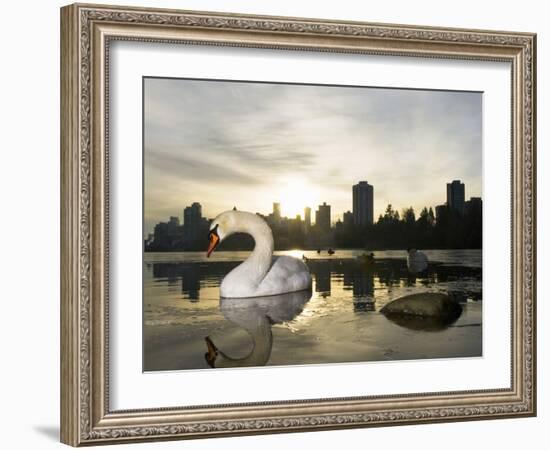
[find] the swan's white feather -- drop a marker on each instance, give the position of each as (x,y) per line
(286,274)
(261,274)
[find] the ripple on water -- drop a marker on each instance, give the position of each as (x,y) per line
(341,321)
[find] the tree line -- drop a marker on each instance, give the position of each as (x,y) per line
(392,230)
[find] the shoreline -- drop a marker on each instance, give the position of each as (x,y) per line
(474,257)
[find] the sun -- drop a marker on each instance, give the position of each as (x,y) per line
(294,195)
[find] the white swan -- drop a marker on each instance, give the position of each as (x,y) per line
(416,261)
(260,274)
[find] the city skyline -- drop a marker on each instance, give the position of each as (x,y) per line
(195,225)
(301,145)
(326,210)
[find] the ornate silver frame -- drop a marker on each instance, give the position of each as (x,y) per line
(86,31)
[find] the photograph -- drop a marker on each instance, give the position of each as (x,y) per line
(289,220)
(292,224)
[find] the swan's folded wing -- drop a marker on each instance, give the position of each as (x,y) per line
(287,274)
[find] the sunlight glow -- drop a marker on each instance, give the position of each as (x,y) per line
(294,195)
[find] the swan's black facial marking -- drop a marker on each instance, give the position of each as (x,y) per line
(213,231)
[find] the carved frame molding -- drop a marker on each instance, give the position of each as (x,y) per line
(86,32)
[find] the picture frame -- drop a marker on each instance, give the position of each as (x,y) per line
(87,32)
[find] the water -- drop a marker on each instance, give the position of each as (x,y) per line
(339,321)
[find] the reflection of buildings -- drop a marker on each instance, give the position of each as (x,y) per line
(363,286)
(321,273)
(361,283)
(355,278)
(363,203)
(191,282)
(191,276)
(455,196)
(335,279)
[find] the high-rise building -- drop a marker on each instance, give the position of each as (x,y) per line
(440,211)
(277,212)
(363,203)
(348,218)
(193,223)
(307,217)
(473,206)
(192,213)
(167,234)
(455,196)
(322,217)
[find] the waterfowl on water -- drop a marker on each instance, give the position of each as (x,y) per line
(416,261)
(260,274)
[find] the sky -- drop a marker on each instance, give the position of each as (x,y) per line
(244,144)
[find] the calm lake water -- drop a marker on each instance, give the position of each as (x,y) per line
(339,321)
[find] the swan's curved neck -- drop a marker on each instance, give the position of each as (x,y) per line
(259,331)
(258,263)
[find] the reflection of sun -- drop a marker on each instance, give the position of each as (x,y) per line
(295,194)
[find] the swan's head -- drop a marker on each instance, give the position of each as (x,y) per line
(221,227)
(216,358)
(234,221)
(212,353)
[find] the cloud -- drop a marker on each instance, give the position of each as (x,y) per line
(183,166)
(219,142)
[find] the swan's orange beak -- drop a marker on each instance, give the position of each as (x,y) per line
(214,240)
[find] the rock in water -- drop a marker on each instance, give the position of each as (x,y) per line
(428,305)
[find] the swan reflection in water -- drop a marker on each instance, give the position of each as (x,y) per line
(256,316)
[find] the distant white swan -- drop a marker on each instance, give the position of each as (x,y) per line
(416,261)
(260,274)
